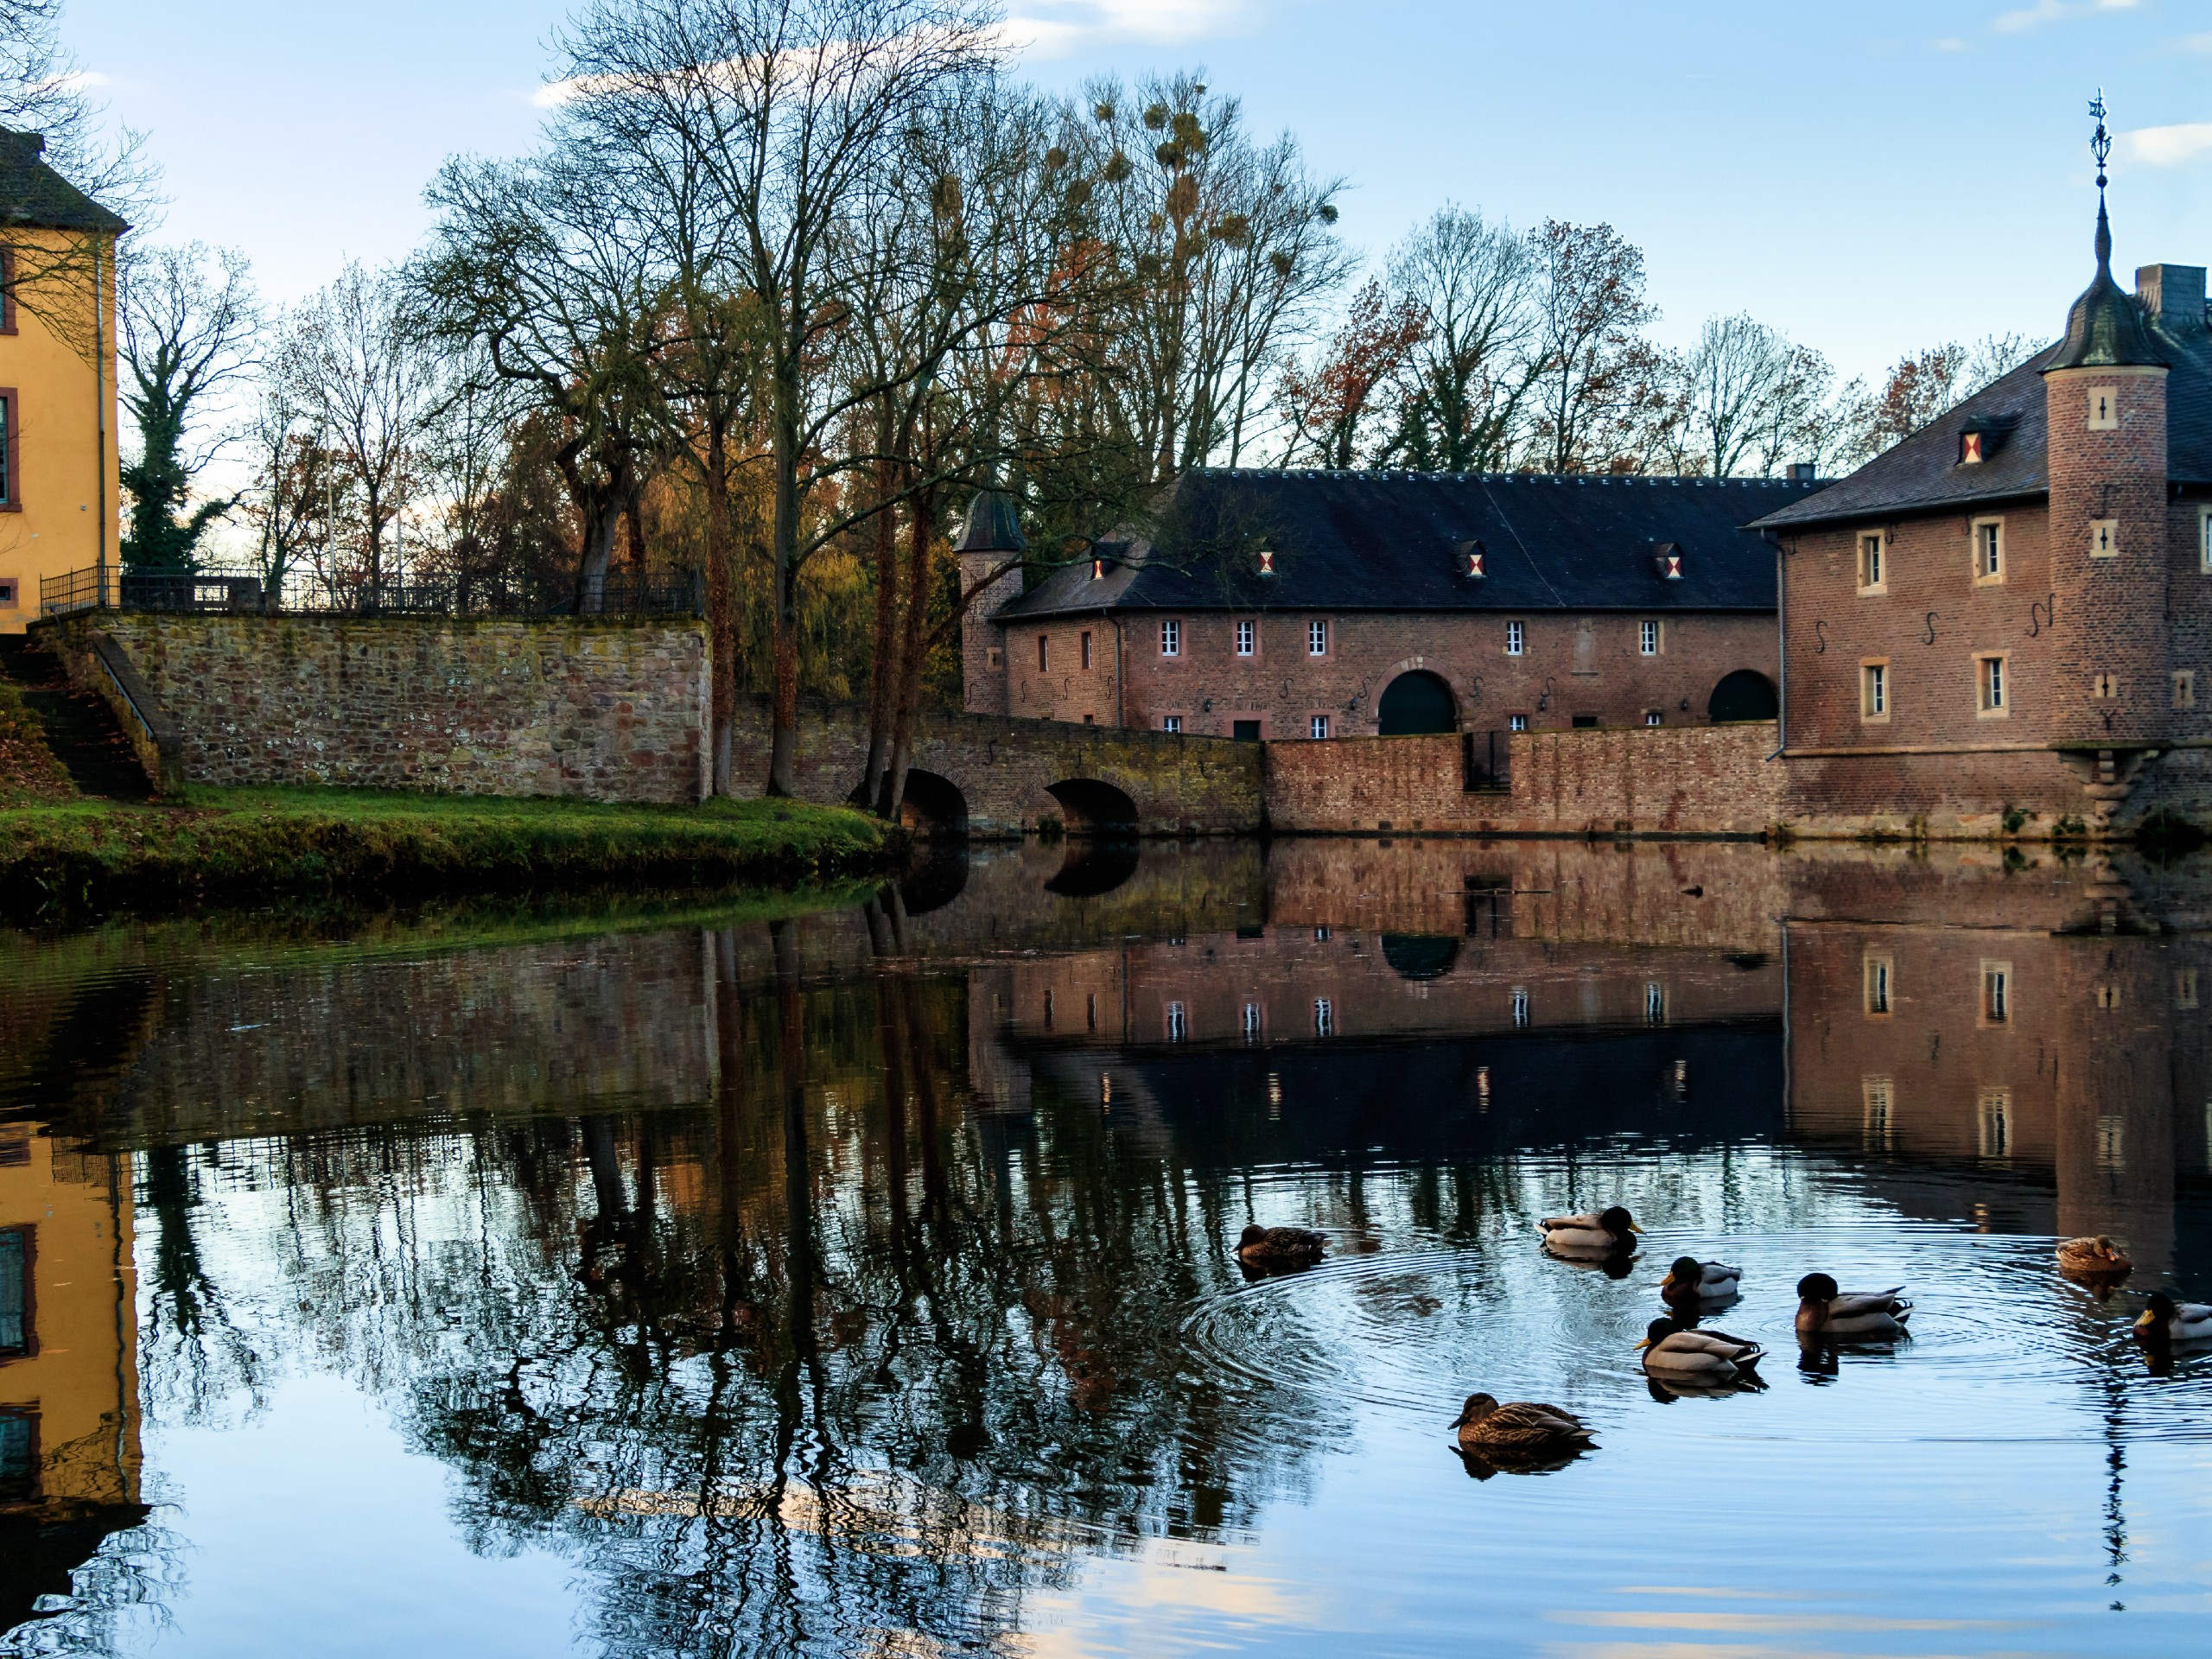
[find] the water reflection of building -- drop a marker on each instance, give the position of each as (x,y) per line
(69,1453)
(2015,1026)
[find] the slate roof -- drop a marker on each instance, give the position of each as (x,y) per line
(34,195)
(1395,542)
(1922,474)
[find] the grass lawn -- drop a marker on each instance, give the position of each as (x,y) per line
(246,845)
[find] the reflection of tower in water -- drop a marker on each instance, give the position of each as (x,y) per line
(2113,1049)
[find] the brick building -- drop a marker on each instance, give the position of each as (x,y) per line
(2001,623)
(1273,605)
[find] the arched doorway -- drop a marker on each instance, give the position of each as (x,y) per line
(1421,956)
(1090,808)
(1744,695)
(1415,703)
(932,805)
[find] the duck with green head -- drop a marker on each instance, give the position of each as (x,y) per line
(1604,1232)
(1691,1283)
(1678,1356)
(1826,1313)
(2183,1324)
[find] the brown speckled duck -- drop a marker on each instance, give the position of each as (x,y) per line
(2094,1258)
(1521,1428)
(1278,1249)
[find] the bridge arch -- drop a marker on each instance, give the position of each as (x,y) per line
(1093,867)
(1088,807)
(933,805)
(1418,702)
(1421,956)
(1744,695)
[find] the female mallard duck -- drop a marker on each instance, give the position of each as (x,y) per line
(1278,1249)
(1519,1428)
(1599,1234)
(2179,1322)
(1691,1281)
(1695,1357)
(2094,1258)
(1825,1313)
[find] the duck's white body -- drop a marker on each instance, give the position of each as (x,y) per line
(1867,1315)
(1581,1236)
(1695,1357)
(1717,1282)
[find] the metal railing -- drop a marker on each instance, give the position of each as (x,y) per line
(307,594)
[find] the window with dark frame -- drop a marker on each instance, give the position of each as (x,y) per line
(17,1335)
(9,491)
(7,289)
(1043,653)
(1086,647)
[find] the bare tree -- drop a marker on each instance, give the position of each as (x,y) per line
(1736,370)
(1590,354)
(289,503)
(1460,404)
(790,108)
(1800,420)
(1329,403)
(363,370)
(187,319)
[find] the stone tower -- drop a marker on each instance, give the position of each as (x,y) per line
(990,547)
(2105,396)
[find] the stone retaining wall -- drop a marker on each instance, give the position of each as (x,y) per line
(597,710)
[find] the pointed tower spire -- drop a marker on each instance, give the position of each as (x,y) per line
(2101,147)
(2106,327)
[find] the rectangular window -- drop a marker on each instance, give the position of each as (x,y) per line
(19,1457)
(1647,639)
(1993,1114)
(1245,731)
(1517,637)
(1654,1003)
(1171,639)
(2104,409)
(1248,638)
(1086,647)
(1996,993)
(1178,1025)
(7,290)
(1880,1096)
(1043,653)
(1520,1006)
(1325,1017)
(1651,717)
(1320,726)
(1989,685)
(2184,687)
(6,593)
(2112,1141)
(11,482)
(1876,978)
(2103,686)
(1251,1022)
(1317,638)
(994,658)
(2104,538)
(1989,549)
(1173,723)
(16,1336)
(2204,539)
(1873,564)
(1873,690)
(1517,723)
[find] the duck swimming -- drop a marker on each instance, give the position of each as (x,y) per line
(1519,1428)
(1695,1358)
(1827,1314)
(2177,1322)
(1278,1249)
(2094,1258)
(1598,1234)
(1691,1281)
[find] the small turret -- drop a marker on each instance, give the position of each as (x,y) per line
(2105,396)
(989,549)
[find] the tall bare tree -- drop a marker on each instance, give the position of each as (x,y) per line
(1591,357)
(1460,408)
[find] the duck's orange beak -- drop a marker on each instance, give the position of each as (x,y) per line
(1641,1346)
(2148,1318)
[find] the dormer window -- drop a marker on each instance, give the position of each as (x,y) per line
(1098,569)
(1970,449)
(1667,562)
(1267,560)
(1471,560)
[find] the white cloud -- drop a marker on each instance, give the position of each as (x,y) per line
(2197,43)
(1054,29)
(2052,11)
(2174,146)
(1949,43)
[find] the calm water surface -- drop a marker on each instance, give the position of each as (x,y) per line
(628,1282)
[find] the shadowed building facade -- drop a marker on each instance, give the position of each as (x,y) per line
(1275,605)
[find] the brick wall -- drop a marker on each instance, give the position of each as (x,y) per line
(1677,780)
(609,711)
(1588,665)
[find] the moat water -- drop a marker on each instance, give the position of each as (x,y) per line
(858,1280)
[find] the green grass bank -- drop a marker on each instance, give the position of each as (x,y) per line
(249,846)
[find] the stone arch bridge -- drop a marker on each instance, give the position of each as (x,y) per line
(988,775)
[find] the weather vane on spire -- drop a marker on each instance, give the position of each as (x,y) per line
(2100,140)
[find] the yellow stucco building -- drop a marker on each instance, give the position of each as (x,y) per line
(57,484)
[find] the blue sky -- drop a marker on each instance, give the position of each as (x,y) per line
(1869,176)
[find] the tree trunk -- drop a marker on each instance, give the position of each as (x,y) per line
(887,612)
(912,649)
(601,521)
(783,753)
(721,604)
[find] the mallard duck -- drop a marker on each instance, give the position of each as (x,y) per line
(1826,1313)
(1278,1249)
(1519,1428)
(1695,1357)
(1601,1233)
(1690,1279)
(2095,1258)
(2179,1322)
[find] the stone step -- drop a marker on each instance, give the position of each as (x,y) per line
(81,728)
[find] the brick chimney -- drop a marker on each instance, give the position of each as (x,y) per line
(2174,294)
